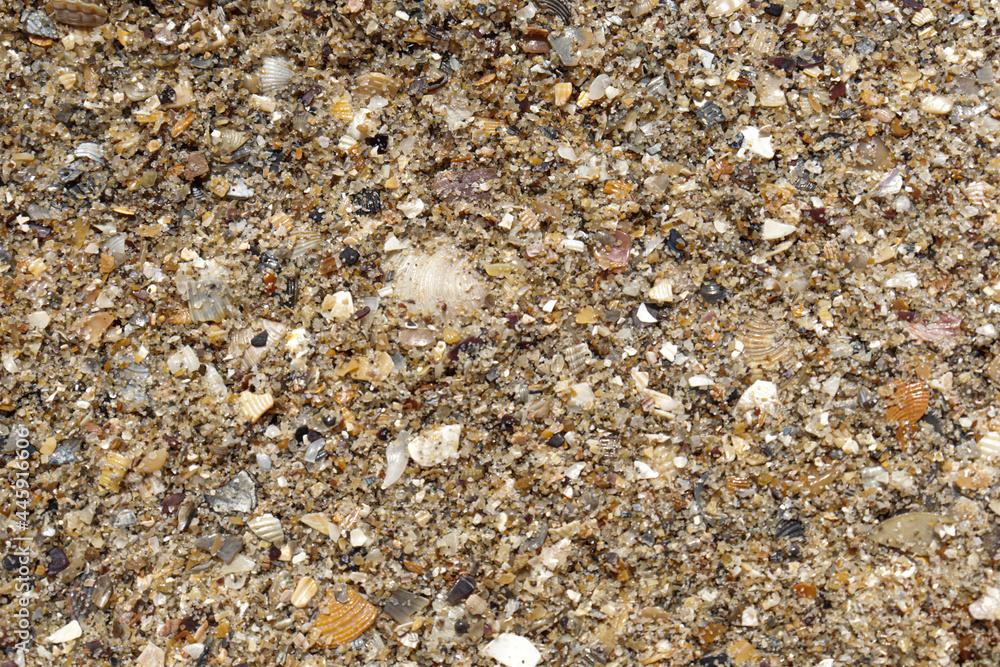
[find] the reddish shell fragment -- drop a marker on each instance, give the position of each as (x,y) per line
(936,331)
(615,256)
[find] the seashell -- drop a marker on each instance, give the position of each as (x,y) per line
(320,523)
(592,657)
(93,327)
(375,83)
(275,74)
(252,405)
(209,300)
(421,337)
(304,591)
(90,151)
(441,284)
(993,370)
(437,446)
(939,105)
(512,650)
(184,359)
(115,467)
(250,346)
(718,8)
(937,330)
(617,188)
(39,24)
(227,140)
(461,589)
(77,14)
(614,254)
(577,357)
(396,458)
(344,617)
(923,17)
(559,8)
(341,109)
(989,444)
(661,292)
(764,345)
(215,386)
(305,242)
(153,461)
(267,527)
(403,605)
(979,194)
(641,8)
(561,93)
(712,292)
(912,532)
(760,398)
(909,402)
(115,246)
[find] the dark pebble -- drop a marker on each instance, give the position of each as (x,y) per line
(461,589)
(367,201)
(556,441)
(711,292)
(350,256)
(260,340)
(57,561)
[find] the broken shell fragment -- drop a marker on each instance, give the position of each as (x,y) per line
(252,405)
(344,617)
(403,605)
(512,650)
(436,447)
(909,402)
(440,284)
(115,467)
(78,14)
(304,591)
(267,527)
(912,532)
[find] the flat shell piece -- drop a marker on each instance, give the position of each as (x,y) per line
(344,617)
(912,532)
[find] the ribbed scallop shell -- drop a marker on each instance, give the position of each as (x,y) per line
(439,284)
(275,74)
(267,527)
(209,300)
(227,140)
(77,14)
(249,355)
(923,17)
(252,405)
(989,445)
(341,109)
(577,357)
(765,345)
(936,330)
(979,194)
(909,402)
(115,467)
(375,83)
(344,617)
(306,241)
(39,24)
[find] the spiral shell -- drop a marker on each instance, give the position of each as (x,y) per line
(252,405)
(115,467)
(909,402)
(764,345)
(275,74)
(440,284)
(267,527)
(979,194)
(78,14)
(344,617)
(341,109)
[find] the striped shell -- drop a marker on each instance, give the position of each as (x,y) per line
(979,194)
(344,617)
(115,467)
(341,109)
(764,344)
(441,284)
(661,292)
(227,140)
(375,83)
(577,357)
(209,301)
(318,522)
(989,445)
(923,17)
(252,405)
(39,24)
(275,74)
(937,330)
(909,402)
(559,8)
(267,527)
(78,14)
(306,241)
(402,605)
(304,591)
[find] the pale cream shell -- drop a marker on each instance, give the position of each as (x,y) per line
(441,284)
(252,405)
(267,527)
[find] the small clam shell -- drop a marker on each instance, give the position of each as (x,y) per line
(249,346)
(939,105)
(909,402)
(441,284)
(183,360)
(344,617)
(559,8)
(90,151)
(77,14)
(252,405)
(275,74)
(209,301)
(923,17)
(267,527)
(39,24)
(765,345)
(320,523)
(936,330)
(717,8)
(115,467)
(304,591)
(306,241)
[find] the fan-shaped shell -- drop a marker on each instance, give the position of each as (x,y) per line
(306,240)
(252,405)
(909,402)
(227,140)
(275,74)
(267,527)
(344,617)
(577,357)
(115,467)
(765,345)
(78,14)
(441,284)
(209,301)
(38,24)
(375,83)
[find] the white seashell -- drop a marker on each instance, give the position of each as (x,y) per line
(755,143)
(115,246)
(937,104)
(986,608)
(512,650)
(298,343)
(923,17)
(770,93)
(776,230)
(184,359)
(438,446)
(38,319)
(581,397)
(275,74)
(66,633)
(561,93)
(215,386)
(761,396)
(396,458)
(252,405)
(320,523)
(304,591)
(306,241)
(39,24)
(267,527)
(979,193)
(151,656)
(661,292)
(89,150)
(717,8)
(441,284)
(248,355)
(989,444)
(577,357)
(209,300)
(227,140)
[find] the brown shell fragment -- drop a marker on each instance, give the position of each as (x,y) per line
(765,345)
(344,617)
(78,14)
(909,402)
(472,185)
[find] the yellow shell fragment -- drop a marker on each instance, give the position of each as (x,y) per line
(115,467)
(304,592)
(252,405)
(344,617)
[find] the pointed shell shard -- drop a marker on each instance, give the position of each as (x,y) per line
(344,617)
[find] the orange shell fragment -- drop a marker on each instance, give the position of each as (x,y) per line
(909,403)
(344,617)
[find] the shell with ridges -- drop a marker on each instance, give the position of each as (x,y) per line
(375,83)
(989,444)
(577,357)
(227,140)
(267,527)
(341,108)
(248,355)
(344,617)
(439,284)
(252,405)
(909,402)
(275,74)
(304,592)
(77,14)
(40,25)
(209,300)
(115,467)
(765,345)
